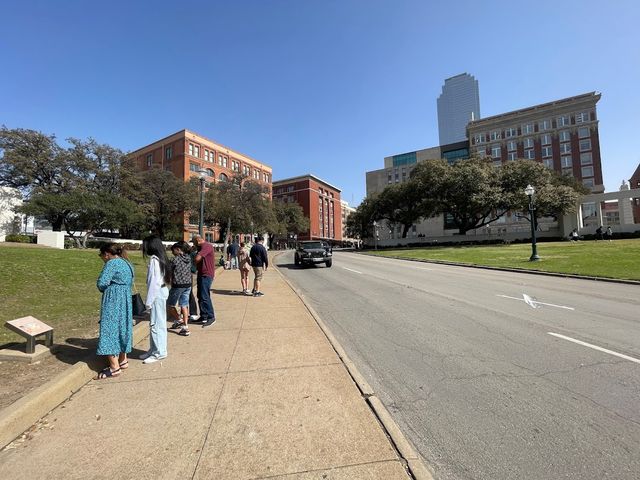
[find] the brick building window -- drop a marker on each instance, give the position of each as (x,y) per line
(495,135)
(548,162)
(582,117)
(149,159)
(511,146)
(529,154)
(546,152)
(544,125)
(564,136)
(511,156)
(480,138)
(565,162)
(584,132)
(565,148)
(585,144)
(527,128)
(168,153)
(545,139)
(495,151)
(563,121)
(587,171)
(528,143)
(194,167)
(510,132)
(586,158)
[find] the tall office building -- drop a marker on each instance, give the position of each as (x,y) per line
(458,104)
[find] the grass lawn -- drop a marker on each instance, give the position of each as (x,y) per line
(55,286)
(618,259)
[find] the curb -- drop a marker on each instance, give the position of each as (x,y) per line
(23,413)
(416,466)
(507,269)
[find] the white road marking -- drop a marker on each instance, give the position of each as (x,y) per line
(420,268)
(354,271)
(528,300)
(595,347)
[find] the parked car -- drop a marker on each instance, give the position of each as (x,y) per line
(313,252)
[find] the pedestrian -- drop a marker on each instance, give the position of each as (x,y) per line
(609,234)
(158,278)
(260,262)
(233,255)
(573,236)
(116,317)
(205,263)
(194,309)
(599,233)
(180,287)
(244,261)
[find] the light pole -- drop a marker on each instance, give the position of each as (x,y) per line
(202,173)
(529,191)
(375,233)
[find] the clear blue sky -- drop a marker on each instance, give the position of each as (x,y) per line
(328,87)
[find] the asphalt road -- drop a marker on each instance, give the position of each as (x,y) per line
(471,372)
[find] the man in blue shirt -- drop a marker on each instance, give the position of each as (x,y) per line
(260,263)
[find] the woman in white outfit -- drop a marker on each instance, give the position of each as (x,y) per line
(158,281)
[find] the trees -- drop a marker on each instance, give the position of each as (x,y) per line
(287,218)
(240,205)
(472,192)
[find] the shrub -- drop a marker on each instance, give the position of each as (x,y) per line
(21,238)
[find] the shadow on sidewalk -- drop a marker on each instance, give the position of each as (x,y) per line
(289,266)
(217,291)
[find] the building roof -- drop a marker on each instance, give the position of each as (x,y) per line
(304,177)
(555,103)
(185,132)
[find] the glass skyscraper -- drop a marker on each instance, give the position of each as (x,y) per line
(458,104)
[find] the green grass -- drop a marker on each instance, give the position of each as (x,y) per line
(55,286)
(618,259)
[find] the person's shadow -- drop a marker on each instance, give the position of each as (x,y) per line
(217,291)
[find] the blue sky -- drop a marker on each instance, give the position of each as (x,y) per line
(324,87)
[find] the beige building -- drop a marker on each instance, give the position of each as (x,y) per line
(346,211)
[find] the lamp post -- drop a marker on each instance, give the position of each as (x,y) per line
(529,191)
(375,233)
(202,173)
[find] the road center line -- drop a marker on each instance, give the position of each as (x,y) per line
(536,302)
(354,271)
(595,347)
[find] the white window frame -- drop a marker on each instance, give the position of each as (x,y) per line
(528,142)
(480,138)
(565,148)
(512,146)
(563,121)
(587,171)
(566,161)
(586,158)
(583,117)
(496,151)
(529,154)
(585,144)
(482,152)
(496,135)
(545,139)
(527,128)
(511,156)
(510,132)
(548,162)
(564,135)
(547,151)
(544,125)
(584,132)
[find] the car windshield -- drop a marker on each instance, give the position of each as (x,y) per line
(312,245)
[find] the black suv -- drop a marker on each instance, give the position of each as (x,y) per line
(312,252)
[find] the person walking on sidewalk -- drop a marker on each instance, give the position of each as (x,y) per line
(233,255)
(260,262)
(158,277)
(245,265)
(205,262)
(180,287)
(116,317)
(194,309)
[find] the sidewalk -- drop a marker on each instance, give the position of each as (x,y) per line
(260,394)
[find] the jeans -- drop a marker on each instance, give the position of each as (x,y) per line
(204,298)
(158,324)
(234,261)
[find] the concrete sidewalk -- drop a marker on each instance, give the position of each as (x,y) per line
(260,394)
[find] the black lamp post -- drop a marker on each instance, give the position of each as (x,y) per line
(529,191)
(202,174)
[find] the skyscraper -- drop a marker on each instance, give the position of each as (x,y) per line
(458,104)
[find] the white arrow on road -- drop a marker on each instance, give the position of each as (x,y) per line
(534,303)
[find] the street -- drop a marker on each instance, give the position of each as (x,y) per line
(492,375)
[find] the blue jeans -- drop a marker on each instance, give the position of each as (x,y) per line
(158,324)
(204,298)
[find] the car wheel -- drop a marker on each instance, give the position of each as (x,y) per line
(296,260)
(328,263)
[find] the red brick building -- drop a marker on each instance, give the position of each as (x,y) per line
(320,202)
(634,182)
(186,153)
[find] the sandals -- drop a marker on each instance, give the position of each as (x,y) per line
(108,373)
(124,365)
(177,324)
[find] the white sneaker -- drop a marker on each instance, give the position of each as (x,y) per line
(145,355)
(193,318)
(153,359)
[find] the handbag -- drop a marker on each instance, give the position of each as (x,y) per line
(137,304)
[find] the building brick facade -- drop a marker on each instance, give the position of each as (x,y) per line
(186,153)
(320,202)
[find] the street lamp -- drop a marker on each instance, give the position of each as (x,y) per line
(375,233)
(202,173)
(529,191)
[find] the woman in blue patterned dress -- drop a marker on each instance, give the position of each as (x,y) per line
(116,317)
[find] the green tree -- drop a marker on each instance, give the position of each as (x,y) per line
(287,218)
(360,222)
